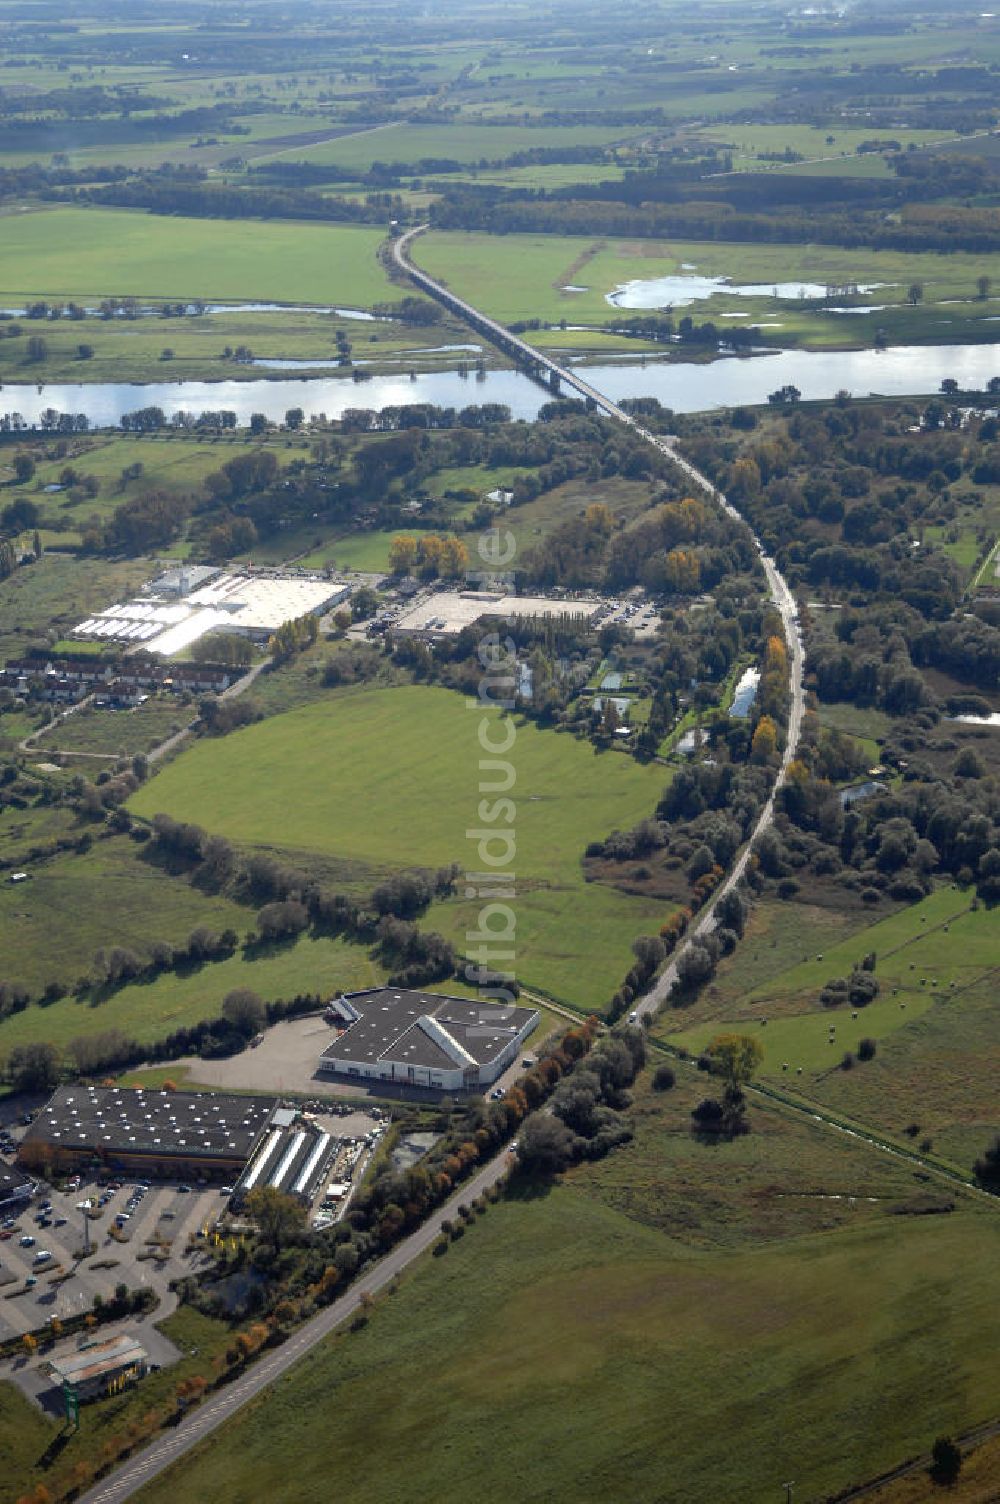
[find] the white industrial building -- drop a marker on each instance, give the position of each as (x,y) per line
(447,612)
(424,1038)
(186,604)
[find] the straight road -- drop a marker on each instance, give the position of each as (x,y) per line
(170,1446)
(780,592)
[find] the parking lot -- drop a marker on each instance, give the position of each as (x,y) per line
(639,615)
(138,1237)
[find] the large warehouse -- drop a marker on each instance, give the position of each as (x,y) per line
(188,1135)
(424,1038)
(179,1135)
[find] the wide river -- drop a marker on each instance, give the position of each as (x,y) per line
(731,381)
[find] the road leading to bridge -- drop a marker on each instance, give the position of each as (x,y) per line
(557,376)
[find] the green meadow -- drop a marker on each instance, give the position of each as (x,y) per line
(466,143)
(94,253)
(521,276)
(390,779)
(934,1021)
(669,1297)
(148,1011)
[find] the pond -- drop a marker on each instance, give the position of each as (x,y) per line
(681,291)
(745,693)
(150,311)
(685,386)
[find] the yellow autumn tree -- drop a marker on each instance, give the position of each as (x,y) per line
(402,554)
(765,741)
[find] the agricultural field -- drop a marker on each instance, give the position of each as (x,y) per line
(408,754)
(95,253)
(466,143)
(705,1275)
(749,141)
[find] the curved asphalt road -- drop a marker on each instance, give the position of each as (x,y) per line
(171,1445)
(780,593)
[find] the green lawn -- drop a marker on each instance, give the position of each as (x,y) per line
(70,252)
(25,1433)
(389,779)
(612,1355)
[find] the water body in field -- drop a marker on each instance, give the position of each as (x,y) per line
(681,291)
(149,311)
(745,693)
(732,381)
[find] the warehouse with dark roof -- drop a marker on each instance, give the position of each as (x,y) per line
(190,1135)
(425,1038)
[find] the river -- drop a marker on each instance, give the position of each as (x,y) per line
(684,386)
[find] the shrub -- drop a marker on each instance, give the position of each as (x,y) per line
(866,1049)
(663,1078)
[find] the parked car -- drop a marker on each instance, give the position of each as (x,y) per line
(27,1241)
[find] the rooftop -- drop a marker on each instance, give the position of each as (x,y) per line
(425,1029)
(13,1182)
(449,611)
(152,1122)
(96,1359)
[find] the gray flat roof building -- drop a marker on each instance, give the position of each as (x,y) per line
(148,1131)
(425,1038)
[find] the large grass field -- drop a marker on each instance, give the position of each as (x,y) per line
(464,143)
(93,253)
(604,1339)
(148,1011)
(51,926)
(520,276)
(390,779)
(937,1032)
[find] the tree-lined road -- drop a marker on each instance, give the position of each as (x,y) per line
(539,363)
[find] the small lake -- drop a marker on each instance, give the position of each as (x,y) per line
(685,386)
(858,791)
(681,291)
(978,720)
(745,693)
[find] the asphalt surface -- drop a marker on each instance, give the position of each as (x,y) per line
(780,592)
(171,1445)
